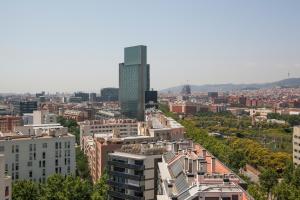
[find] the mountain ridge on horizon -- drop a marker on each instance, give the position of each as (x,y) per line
(227,87)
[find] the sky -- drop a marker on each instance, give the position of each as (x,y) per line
(76,45)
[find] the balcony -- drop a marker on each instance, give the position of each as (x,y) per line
(124,196)
(126,165)
(126,186)
(128,176)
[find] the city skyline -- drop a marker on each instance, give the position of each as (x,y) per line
(66,47)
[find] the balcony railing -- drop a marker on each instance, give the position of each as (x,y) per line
(126,165)
(126,186)
(124,196)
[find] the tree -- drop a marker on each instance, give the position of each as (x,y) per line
(82,167)
(101,188)
(25,190)
(54,188)
(237,159)
(268,179)
(284,191)
(77,189)
(296,177)
(256,192)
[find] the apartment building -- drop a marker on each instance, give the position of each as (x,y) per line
(163,127)
(97,147)
(124,127)
(296,145)
(133,171)
(44,117)
(8,123)
(5,181)
(35,152)
(192,173)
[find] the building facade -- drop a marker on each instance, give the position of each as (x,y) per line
(109,94)
(21,107)
(8,123)
(132,172)
(134,80)
(35,152)
(296,145)
(5,181)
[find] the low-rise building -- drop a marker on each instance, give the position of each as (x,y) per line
(193,173)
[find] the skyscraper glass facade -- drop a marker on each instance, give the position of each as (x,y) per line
(134,80)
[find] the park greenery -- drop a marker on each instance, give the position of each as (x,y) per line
(245,143)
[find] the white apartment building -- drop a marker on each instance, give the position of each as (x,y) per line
(5,181)
(124,127)
(296,145)
(44,117)
(35,152)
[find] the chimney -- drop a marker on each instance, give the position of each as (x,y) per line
(204,153)
(195,166)
(213,165)
(186,163)
(202,166)
(190,165)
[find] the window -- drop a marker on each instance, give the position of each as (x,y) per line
(6,191)
(44,172)
(29,164)
(56,145)
(1,148)
(44,155)
(12,166)
(30,147)
(17,148)
(17,166)
(60,145)
(30,174)
(56,162)
(13,148)
(44,145)
(17,157)
(17,175)
(44,163)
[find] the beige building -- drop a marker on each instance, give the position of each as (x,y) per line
(296,145)
(35,152)
(5,181)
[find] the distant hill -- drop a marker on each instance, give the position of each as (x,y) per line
(291,82)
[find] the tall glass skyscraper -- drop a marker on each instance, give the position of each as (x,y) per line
(134,80)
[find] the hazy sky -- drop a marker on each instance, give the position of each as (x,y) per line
(60,45)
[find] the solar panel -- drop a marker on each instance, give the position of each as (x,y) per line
(181,183)
(169,156)
(176,168)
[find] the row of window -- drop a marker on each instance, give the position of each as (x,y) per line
(32,147)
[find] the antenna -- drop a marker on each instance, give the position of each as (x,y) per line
(289,74)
